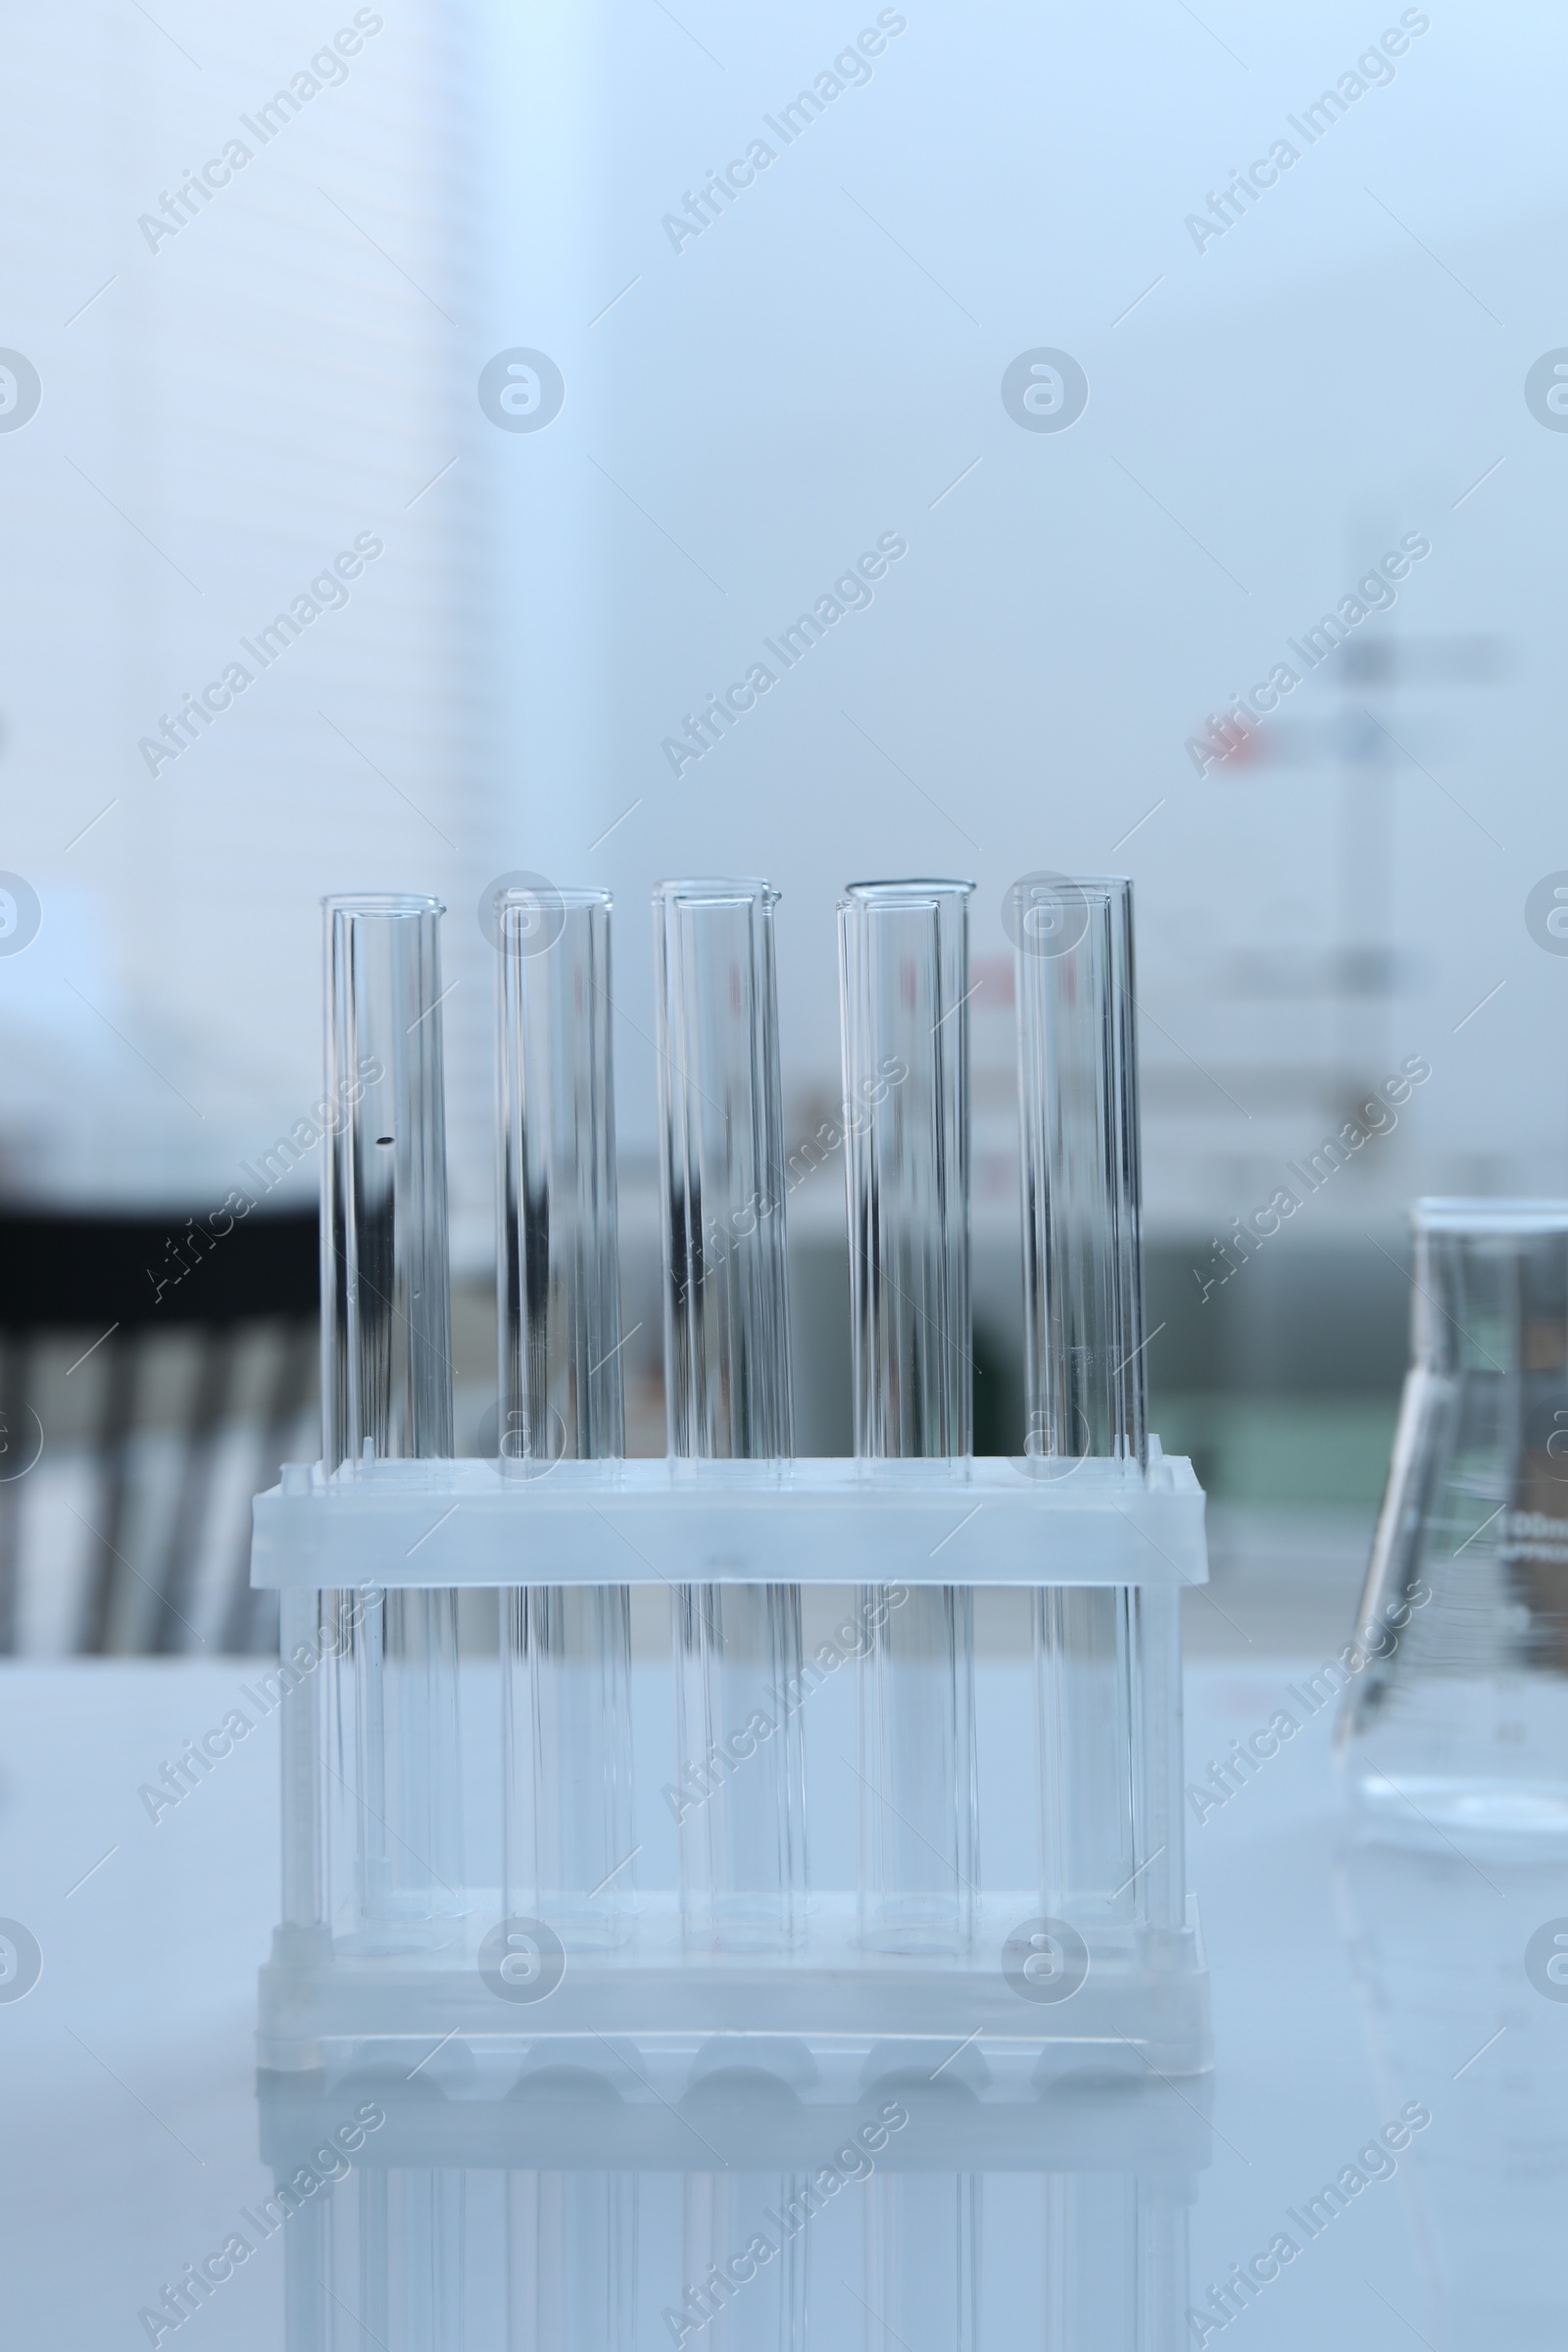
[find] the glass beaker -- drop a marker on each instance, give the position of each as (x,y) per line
(1454,1715)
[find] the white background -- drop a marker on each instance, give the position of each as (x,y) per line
(815,370)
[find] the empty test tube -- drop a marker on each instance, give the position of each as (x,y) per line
(1087,1382)
(566,1651)
(727,1397)
(904,980)
(1079,1138)
(386,1379)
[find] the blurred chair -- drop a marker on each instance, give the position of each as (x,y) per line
(153,1376)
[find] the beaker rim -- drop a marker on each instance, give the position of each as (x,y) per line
(1480,1216)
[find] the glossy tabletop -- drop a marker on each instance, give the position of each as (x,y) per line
(1381,2159)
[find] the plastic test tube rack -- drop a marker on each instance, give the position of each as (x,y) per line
(463,1823)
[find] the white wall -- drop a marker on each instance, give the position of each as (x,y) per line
(754,409)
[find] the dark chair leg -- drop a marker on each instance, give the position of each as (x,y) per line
(215,1382)
(19,1441)
(113,1454)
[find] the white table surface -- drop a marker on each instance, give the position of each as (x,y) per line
(1344,1987)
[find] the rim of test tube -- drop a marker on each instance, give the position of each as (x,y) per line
(1108,883)
(383,902)
(742,889)
(569,896)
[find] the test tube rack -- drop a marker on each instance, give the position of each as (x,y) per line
(1050,1931)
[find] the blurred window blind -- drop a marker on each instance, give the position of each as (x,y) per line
(256,478)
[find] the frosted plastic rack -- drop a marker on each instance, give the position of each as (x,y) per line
(823,2006)
(985,1521)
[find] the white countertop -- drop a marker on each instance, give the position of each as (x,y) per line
(1346,1985)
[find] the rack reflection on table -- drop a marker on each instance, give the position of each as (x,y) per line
(561,2202)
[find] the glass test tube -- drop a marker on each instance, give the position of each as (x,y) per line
(741,1787)
(903,963)
(565,1649)
(1087,1383)
(1078,1092)
(386,1380)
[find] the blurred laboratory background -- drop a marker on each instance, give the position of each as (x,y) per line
(648,441)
